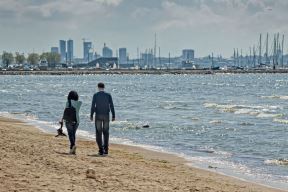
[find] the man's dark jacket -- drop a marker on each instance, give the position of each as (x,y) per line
(102,104)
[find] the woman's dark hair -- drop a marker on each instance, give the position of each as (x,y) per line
(73,95)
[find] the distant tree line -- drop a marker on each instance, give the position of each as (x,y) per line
(33,58)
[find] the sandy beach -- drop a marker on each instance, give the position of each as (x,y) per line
(34,161)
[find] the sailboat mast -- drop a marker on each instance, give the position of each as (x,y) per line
(169,59)
(277,49)
(274,52)
(260,49)
(237,58)
(241,58)
(155,51)
(254,56)
(266,54)
(250,56)
(212,66)
(138,56)
(282,51)
(234,57)
(159,56)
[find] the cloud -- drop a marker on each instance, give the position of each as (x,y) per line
(31,10)
(133,22)
(231,15)
(175,16)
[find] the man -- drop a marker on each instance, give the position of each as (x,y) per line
(102,104)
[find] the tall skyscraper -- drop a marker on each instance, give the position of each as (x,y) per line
(70,55)
(107,52)
(187,54)
(87,46)
(62,45)
(122,56)
(54,50)
(147,58)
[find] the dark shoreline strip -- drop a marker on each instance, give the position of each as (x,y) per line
(144,72)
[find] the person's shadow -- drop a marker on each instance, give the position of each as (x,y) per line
(90,155)
(63,153)
(96,155)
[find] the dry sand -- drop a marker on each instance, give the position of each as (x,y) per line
(34,161)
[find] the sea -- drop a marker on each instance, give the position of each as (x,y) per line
(232,124)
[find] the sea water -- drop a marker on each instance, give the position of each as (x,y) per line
(234,124)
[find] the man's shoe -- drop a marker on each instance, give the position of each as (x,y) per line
(100,153)
(106,152)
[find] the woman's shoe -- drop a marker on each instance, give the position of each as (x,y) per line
(74,150)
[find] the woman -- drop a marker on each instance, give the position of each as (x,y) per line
(71,122)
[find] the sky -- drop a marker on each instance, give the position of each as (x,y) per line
(206,26)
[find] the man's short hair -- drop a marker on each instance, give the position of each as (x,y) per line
(101,85)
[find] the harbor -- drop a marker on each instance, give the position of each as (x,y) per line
(142,72)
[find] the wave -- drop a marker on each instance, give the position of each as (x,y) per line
(131,125)
(258,111)
(277,162)
(215,122)
(284,121)
(213,151)
(246,124)
(283,97)
(191,118)
(168,105)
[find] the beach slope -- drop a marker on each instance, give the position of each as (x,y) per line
(34,161)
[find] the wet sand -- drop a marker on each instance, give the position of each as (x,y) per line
(31,160)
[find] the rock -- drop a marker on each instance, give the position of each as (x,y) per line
(90,173)
(211,167)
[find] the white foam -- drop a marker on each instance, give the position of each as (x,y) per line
(283,97)
(284,121)
(277,162)
(215,122)
(258,111)
(268,115)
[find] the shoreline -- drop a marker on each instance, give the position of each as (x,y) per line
(144,72)
(201,180)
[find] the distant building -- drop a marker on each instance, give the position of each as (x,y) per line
(62,46)
(123,56)
(79,61)
(107,52)
(54,50)
(187,54)
(70,55)
(90,55)
(104,63)
(87,47)
(147,59)
(1,63)
(96,56)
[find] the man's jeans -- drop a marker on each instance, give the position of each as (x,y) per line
(71,129)
(102,128)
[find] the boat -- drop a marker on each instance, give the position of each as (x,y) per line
(43,65)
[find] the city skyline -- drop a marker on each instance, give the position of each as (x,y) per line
(206,26)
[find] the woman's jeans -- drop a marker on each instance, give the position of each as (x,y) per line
(71,129)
